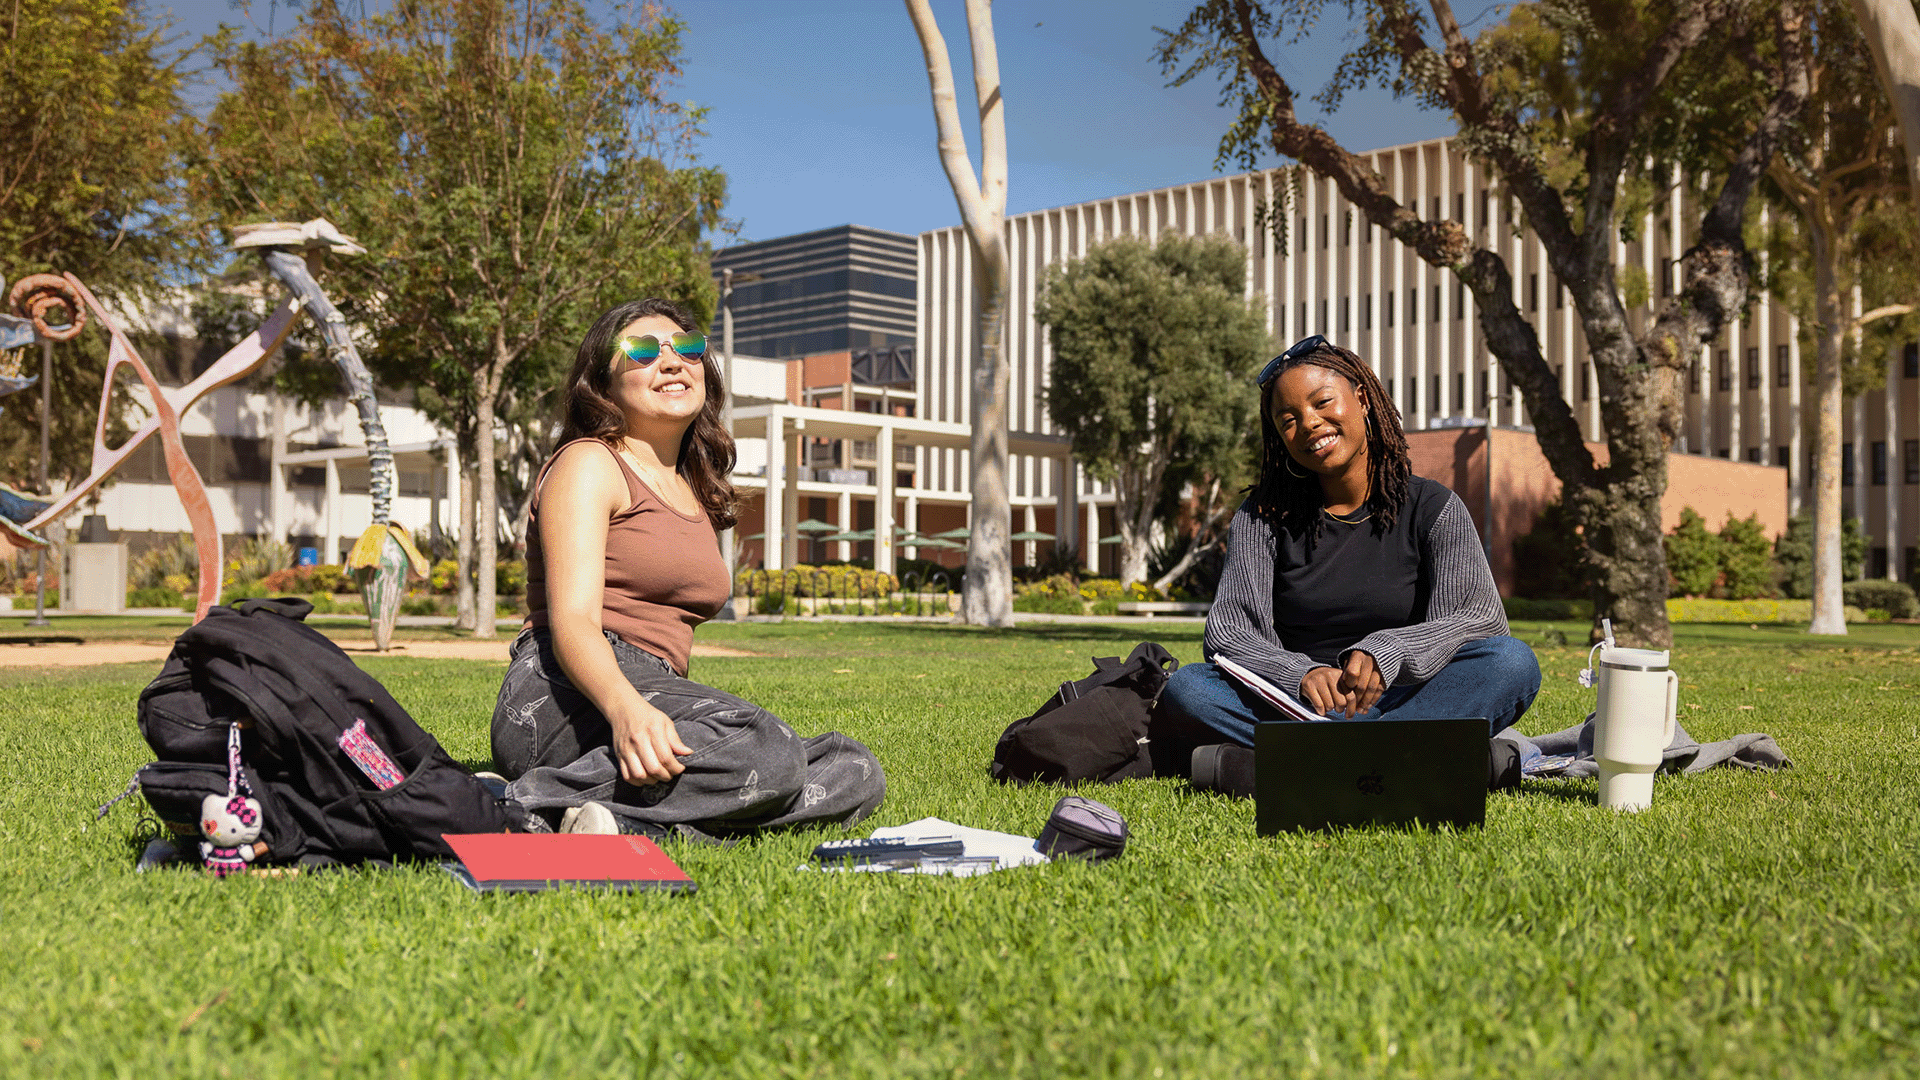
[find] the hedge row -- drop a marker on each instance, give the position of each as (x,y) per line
(1685,611)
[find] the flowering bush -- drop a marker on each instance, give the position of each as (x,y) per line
(803,580)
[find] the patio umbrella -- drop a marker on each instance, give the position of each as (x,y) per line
(960,533)
(812,526)
(1031,536)
(1114,539)
(942,545)
(756,536)
(863,534)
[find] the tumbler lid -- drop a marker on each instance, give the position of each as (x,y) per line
(1634,659)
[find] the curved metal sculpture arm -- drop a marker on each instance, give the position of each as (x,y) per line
(292,270)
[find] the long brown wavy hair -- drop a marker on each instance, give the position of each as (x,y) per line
(1294,501)
(706,451)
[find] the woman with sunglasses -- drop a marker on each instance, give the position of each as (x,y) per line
(1351,584)
(597,725)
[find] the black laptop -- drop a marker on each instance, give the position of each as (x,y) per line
(1332,773)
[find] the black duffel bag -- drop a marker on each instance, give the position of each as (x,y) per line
(1092,729)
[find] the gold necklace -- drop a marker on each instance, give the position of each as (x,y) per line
(1347,520)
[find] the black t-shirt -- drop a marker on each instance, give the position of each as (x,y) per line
(1332,590)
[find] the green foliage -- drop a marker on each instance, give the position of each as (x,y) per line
(1050,605)
(1693,555)
(1794,552)
(1102,589)
(93,129)
(1746,559)
(1895,599)
(254,557)
(836,580)
(154,597)
(175,558)
(444,576)
(235,592)
(1154,349)
(419,605)
(1739,611)
(1547,562)
(510,577)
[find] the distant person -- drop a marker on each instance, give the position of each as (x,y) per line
(1350,583)
(597,725)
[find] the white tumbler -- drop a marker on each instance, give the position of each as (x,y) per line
(1633,723)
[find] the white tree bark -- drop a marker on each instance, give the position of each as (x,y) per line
(1892,31)
(988,600)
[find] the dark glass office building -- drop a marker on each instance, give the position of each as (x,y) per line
(844,289)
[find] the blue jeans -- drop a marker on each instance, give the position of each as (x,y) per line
(1494,677)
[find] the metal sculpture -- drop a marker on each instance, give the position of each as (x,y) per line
(384,553)
(239,361)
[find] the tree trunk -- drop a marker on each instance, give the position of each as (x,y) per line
(988,598)
(1829,610)
(486,528)
(464,576)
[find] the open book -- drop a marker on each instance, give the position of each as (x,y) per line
(1271,694)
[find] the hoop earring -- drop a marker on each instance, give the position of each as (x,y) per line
(1288,462)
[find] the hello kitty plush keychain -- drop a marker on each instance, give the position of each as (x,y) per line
(231,825)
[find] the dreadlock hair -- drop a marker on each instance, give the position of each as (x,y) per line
(1294,502)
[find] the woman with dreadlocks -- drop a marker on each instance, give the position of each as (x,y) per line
(1350,583)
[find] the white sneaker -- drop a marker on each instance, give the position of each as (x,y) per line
(591,818)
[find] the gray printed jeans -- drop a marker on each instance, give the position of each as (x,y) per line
(748,770)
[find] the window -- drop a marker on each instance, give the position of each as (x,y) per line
(1435,317)
(1781,456)
(1436,209)
(1910,360)
(1910,461)
(1482,399)
(1486,205)
(1303,234)
(1693,376)
(1413,306)
(1753,454)
(1559,295)
(1782,366)
(1302,328)
(1434,402)
(1667,269)
(1346,310)
(1323,232)
(1586,381)
(1846,464)
(1366,312)
(1459,401)
(1459,301)
(1723,452)
(1460,207)
(1877,462)
(1753,368)
(1346,236)
(1877,563)
(1322,328)
(1725,369)
(1389,311)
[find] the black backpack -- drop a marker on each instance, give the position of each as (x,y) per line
(1092,729)
(307,714)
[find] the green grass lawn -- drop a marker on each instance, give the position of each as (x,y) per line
(1746,925)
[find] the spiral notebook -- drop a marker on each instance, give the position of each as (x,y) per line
(532,862)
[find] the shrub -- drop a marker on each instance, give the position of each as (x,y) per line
(155,596)
(1051,605)
(1794,552)
(1102,589)
(510,577)
(1106,605)
(1693,556)
(1057,587)
(247,590)
(444,576)
(419,605)
(1739,611)
(293,579)
(154,567)
(330,577)
(255,557)
(323,603)
(1896,598)
(180,583)
(837,581)
(1746,559)
(1547,561)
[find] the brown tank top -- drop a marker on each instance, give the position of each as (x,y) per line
(664,573)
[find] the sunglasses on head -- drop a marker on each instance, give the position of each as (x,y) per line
(643,350)
(1297,349)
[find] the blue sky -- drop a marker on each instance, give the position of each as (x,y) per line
(820,113)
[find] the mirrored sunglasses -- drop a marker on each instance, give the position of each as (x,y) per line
(642,351)
(1299,348)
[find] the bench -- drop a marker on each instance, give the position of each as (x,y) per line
(1150,608)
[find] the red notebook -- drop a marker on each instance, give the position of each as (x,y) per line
(530,862)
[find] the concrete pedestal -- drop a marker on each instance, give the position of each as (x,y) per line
(95,578)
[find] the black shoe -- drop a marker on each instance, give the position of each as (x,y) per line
(1224,767)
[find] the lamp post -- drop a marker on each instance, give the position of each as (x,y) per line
(46,417)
